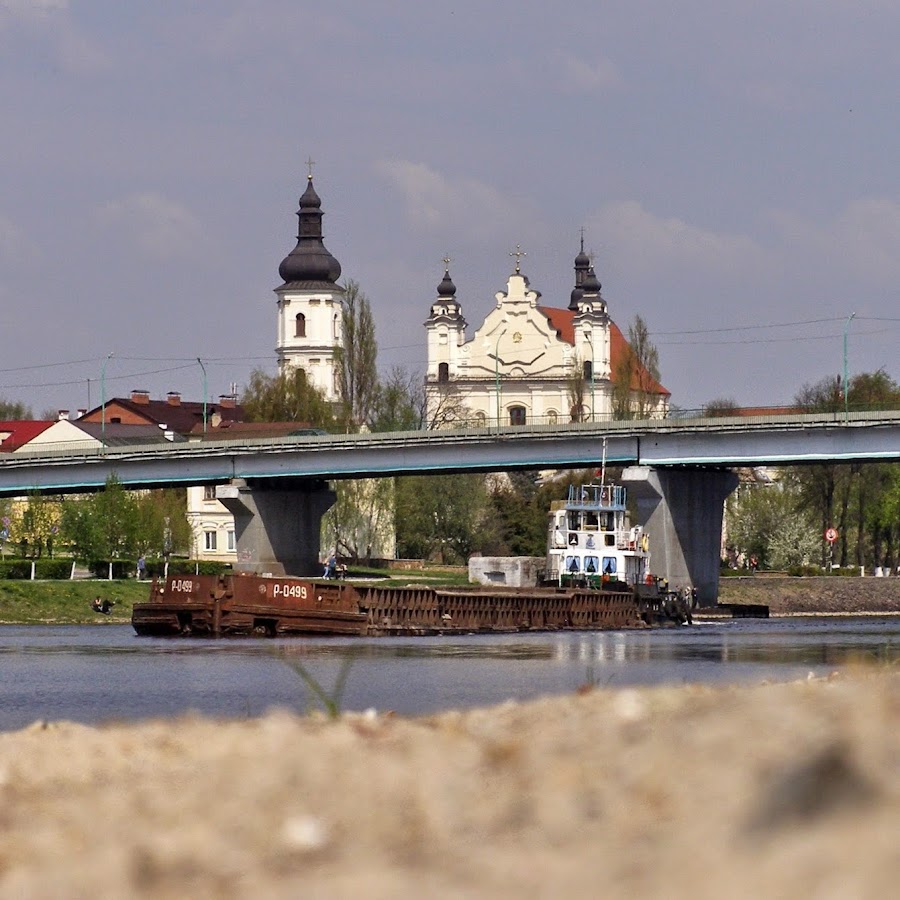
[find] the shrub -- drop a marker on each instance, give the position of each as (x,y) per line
(121,568)
(15,568)
(53,568)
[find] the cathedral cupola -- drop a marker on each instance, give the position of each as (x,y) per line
(582,270)
(310,262)
(447,289)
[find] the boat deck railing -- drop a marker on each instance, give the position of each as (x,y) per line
(609,497)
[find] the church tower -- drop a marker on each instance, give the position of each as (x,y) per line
(310,301)
(446,332)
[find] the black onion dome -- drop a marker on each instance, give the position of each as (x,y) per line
(446,288)
(591,284)
(310,261)
(582,261)
(575,298)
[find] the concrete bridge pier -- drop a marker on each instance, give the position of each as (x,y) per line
(681,510)
(276,525)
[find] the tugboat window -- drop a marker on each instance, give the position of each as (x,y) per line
(609,565)
(572,565)
(590,565)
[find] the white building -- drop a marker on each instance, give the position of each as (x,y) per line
(310,302)
(529,362)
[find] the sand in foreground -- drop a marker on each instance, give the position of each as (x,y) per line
(770,791)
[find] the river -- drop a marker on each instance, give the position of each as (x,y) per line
(95,674)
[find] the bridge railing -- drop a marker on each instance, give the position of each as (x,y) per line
(479,432)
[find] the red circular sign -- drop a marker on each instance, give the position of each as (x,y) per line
(831,535)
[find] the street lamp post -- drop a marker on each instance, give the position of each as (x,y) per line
(590,341)
(109,356)
(204,392)
(497,374)
(846,385)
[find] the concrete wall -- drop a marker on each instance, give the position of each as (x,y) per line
(512,571)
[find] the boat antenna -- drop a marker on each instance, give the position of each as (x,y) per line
(603,464)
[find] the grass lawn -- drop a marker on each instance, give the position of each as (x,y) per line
(67,602)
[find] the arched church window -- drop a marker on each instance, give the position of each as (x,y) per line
(588,370)
(300,325)
(517,415)
(480,419)
(552,416)
(443,373)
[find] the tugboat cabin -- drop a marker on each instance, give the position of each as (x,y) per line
(590,542)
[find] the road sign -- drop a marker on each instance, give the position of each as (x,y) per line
(831,535)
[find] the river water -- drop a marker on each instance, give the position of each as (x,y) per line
(104,673)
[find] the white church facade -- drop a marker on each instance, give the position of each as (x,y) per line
(533,363)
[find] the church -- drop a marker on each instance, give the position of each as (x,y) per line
(533,363)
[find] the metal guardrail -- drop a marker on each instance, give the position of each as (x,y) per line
(489,433)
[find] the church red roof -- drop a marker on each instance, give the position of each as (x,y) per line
(563,320)
(20,432)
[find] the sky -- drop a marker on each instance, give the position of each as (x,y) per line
(734,166)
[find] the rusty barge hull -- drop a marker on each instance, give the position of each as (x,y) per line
(207,605)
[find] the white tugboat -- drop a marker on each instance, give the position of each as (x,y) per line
(590,541)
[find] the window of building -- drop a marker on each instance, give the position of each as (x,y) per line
(230,539)
(443,373)
(517,415)
(209,492)
(552,416)
(480,419)
(588,368)
(300,325)
(209,540)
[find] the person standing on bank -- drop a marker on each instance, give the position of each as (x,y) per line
(141,567)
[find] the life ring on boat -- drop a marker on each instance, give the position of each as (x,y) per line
(648,579)
(645,543)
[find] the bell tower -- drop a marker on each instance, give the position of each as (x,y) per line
(310,301)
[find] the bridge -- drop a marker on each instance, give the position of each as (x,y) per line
(277,489)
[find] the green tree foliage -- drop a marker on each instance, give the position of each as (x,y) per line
(576,388)
(440,517)
(856,499)
(361,522)
(102,525)
(287,397)
(357,358)
(764,520)
(11,411)
(399,404)
(636,374)
(34,525)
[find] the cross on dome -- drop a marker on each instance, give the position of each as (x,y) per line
(310,162)
(518,253)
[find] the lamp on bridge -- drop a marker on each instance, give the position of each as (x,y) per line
(497,372)
(846,386)
(109,356)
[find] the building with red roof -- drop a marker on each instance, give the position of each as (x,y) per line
(530,362)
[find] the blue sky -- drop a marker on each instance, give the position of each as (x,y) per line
(734,166)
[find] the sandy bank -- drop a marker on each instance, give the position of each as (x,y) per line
(778,790)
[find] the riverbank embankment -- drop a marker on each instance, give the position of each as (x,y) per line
(788,790)
(817,595)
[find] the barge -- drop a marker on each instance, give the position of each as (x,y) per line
(217,606)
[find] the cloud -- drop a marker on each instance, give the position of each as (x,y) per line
(158,227)
(862,240)
(31,10)
(652,244)
(440,203)
(49,23)
(582,76)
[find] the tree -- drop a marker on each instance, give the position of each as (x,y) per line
(575,384)
(361,522)
(286,397)
(399,403)
(721,406)
(440,516)
(357,357)
(102,525)
(636,375)
(11,411)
